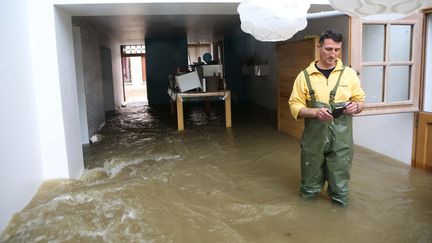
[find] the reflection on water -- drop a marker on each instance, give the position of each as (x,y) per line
(146,182)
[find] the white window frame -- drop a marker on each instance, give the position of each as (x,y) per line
(411,105)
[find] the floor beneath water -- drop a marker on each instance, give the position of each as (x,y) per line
(147,182)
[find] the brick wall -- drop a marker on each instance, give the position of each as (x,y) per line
(92,39)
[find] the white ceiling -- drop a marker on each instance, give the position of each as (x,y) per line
(130,23)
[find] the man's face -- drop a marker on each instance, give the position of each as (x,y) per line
(329,51)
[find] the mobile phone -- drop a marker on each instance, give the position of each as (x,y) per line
(338,111)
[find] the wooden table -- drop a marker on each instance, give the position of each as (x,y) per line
(226,94)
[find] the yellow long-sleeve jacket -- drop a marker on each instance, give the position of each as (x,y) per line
(349,87)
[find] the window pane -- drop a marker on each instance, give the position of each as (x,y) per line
(400,43)
(398,83)
(372,83)
(373,43)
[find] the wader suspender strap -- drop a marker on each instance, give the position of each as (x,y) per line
(311,91)
(332,93)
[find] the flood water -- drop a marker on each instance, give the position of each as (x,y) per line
(147,182)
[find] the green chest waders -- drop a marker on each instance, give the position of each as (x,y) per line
(326,151)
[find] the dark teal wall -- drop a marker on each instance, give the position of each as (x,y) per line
(163,56)
(235,52)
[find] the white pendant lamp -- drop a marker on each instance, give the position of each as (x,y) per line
(380,9)
(273,20)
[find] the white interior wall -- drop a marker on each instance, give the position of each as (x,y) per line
(21,166)
(56,93)
(69,93)
(391,135)
(117,73)
(47,88)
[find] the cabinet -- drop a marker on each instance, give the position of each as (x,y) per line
(292,57)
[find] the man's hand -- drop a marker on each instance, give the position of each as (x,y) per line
(354,108)
(323,114)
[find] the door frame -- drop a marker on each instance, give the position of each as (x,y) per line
(421,118)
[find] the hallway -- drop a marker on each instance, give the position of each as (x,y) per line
(147,182)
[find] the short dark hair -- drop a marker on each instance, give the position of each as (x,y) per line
(331,34)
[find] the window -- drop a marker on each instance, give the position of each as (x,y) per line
(133,49)
(387,55)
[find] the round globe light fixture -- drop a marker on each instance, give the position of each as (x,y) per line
(273,20)
(379,9)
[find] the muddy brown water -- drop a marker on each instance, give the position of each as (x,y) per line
(147,182)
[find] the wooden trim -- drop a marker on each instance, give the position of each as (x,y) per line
(316,52)
(414,139)
(143,68)
(416,58)
(398,63)
(421,158)
(427,10)
(349,40)
(396,103)
(416,129)
(356,37)
(132,55)
(381,110)
(203,94)
(423,60)
(122,74)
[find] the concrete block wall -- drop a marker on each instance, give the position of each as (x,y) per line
(92,39)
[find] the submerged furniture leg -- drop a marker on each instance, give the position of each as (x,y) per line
(180,125)
(173,107)
(228,109)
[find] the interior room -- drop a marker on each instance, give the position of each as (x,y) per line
(117,149)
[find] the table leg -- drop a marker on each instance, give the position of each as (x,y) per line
(180,125)
(228,109)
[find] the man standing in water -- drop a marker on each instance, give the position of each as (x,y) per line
(326,95)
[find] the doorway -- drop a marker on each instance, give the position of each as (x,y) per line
(422,149)
(134,74)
